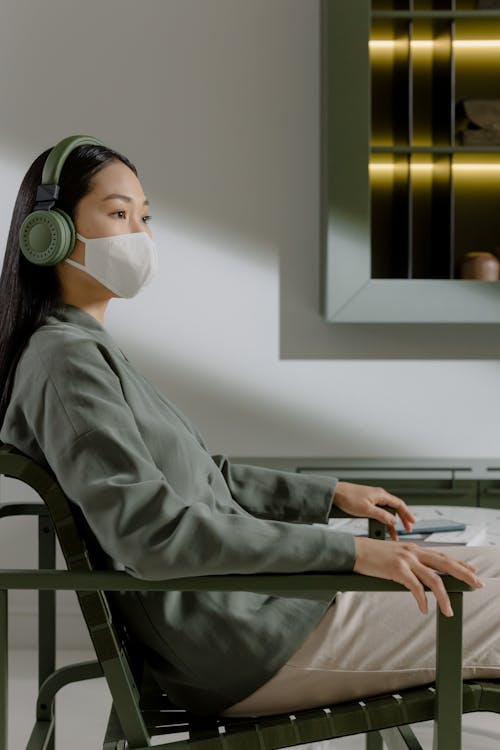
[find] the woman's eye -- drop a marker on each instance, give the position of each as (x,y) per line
(146,219)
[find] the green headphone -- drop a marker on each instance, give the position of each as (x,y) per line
(47,235)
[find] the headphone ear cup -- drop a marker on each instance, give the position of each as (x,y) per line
(47,237)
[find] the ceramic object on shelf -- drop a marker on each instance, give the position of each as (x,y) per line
(480,266)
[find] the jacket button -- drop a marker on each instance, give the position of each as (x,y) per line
(210,478)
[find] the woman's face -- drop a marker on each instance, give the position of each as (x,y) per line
(115,205)
(100,215)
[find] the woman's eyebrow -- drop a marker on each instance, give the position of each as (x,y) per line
(123,197)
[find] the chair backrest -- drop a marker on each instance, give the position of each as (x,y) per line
(121,661)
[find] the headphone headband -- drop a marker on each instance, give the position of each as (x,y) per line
(55,160)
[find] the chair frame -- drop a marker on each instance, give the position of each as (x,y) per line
(140,710)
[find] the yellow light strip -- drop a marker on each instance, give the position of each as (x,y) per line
(429,43)
(424,166)
(476,167)
(469,43)
(422,43)
(389,167)
(384,43)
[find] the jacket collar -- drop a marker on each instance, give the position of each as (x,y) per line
(72,314)
(76,316)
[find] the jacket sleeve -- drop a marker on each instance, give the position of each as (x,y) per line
(90,439)
(280,495)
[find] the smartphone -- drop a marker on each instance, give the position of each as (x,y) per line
(432,526)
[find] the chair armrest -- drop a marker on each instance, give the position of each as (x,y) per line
(23,509)
(289,583)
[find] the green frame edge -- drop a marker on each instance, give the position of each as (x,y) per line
(348,293)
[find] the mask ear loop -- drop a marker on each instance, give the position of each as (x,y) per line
(74,262)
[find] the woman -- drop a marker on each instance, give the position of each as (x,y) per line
(161,506)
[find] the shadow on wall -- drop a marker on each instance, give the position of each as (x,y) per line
(231,410)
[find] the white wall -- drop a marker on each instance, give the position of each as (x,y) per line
(216,102)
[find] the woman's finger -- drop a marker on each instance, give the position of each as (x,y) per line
(412,583)
(400,507)
(379,514)
(469,565)
(464,563)
(427,576)
(449,565)
(434,582)
(393,533)
(407,520)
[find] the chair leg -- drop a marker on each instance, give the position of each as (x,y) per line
(374,741)
(46,612)
(449,698)
(400,738)
(114,731)
(42,736)
(4,668)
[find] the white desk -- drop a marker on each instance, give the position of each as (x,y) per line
(490,517)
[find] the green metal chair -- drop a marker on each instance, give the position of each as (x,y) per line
(141,709)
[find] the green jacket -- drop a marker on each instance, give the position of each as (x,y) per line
(161,506)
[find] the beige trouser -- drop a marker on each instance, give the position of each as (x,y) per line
(369,643)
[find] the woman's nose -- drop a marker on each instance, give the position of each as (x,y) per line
(137,225)
(142,228)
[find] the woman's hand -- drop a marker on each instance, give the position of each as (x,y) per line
(413,567)
(360,500)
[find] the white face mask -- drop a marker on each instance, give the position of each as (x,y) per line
(123,263)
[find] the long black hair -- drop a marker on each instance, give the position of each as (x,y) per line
(29,293)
